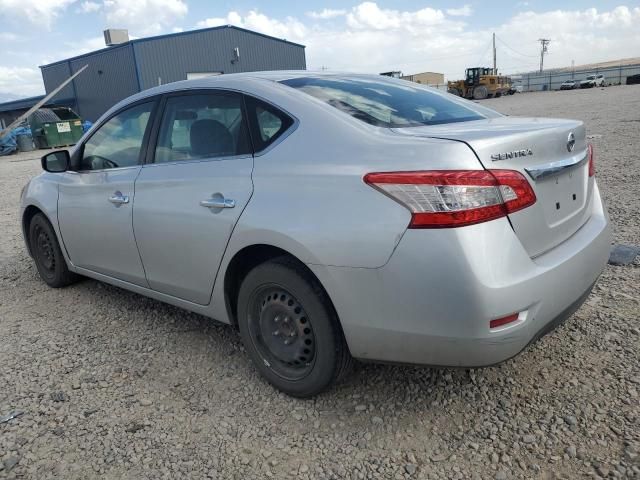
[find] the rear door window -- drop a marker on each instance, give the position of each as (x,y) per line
(389,103)
(202,126)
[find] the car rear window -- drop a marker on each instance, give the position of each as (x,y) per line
(387,103)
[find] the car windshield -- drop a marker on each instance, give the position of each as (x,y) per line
(389,103)
(591,77)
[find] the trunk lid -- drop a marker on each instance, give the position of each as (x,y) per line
(540,149)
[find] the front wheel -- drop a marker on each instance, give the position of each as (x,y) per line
(290,328)
(480,93)
(46,252)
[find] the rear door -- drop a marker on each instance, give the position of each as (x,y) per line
(192,191)
(550,153)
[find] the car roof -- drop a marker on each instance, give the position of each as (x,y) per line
(274,76)
(237,81)
(278,75)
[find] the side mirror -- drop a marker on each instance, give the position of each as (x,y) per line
(56,162)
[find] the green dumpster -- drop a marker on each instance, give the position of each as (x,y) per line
(57,127)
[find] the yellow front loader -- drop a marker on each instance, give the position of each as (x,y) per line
(480,83)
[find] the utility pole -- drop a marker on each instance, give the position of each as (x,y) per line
(495,71)
(543,49)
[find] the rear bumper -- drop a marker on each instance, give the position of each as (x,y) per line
(432,302)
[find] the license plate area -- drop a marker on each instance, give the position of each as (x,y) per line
(563,195)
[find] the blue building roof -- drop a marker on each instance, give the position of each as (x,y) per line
(26,103)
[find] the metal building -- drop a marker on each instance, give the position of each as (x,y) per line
(126,68)
(427,78)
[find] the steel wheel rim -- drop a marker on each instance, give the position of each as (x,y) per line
(44,249)
(282,333)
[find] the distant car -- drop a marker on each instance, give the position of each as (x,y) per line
(516,89)
(329,216)
(592,81)
(569,85)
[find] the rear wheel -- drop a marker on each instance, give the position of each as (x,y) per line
(290,329)
(46,252)
(480,92)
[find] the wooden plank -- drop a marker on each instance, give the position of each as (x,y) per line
(19,120)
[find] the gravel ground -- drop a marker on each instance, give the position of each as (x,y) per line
(114,385)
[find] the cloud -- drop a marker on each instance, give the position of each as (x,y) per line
(368,16)
(289,28)
(20,81)
(327,14)
(464,11)
(9,37)
(585,36)
(146,17)
(369,38)
(74,48)
(41,13)
(89,7)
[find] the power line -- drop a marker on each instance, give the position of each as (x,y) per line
(446,57)
(484,53)
(514,50)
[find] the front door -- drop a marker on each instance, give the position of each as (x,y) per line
(95,202)
(189,198)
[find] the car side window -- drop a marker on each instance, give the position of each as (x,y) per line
(266,122)
(202,126)
(118,142)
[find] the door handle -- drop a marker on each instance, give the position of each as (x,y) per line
(218,203)
(119,199)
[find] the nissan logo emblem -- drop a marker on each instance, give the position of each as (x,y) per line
(571,142)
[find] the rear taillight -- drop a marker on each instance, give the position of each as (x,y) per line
(592,164)
(455,198)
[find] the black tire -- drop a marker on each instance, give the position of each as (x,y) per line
(47,255)
(280,302)
(480,93)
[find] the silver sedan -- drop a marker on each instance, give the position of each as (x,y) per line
(329,217)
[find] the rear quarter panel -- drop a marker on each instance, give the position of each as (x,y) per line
(309,195)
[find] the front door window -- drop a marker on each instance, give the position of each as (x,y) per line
(118,142)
